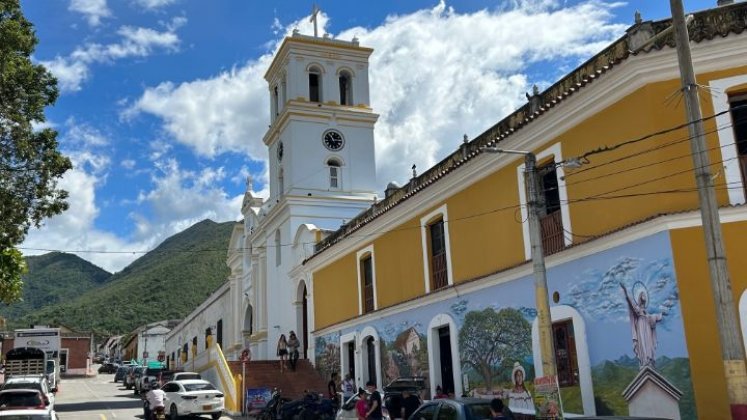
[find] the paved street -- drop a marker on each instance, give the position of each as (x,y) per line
(98,398)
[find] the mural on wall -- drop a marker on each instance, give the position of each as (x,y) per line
(627,298)
(327,354)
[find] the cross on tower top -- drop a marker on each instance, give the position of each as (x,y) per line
(314,12)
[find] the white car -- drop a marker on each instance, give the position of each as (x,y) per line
(193,396)
(29,414)
(37,382)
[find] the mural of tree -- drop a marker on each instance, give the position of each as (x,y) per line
(327,357)
(490,339)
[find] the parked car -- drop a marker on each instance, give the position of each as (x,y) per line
(193,396)
(393,392)
(120,374)
(108,368)
(150,374)
(26,414)
(16,399)
(35,382)
(132,372)
(458,409)
(181,376)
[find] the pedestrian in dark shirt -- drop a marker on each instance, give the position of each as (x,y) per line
(374,402)
(410,403)
(497,410)
(332,387)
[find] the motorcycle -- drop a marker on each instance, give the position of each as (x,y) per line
(158,414)
(272,410)
(311,407)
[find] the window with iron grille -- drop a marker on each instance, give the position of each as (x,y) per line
(439,275)
(367,282)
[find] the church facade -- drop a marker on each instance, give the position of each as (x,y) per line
(435,279)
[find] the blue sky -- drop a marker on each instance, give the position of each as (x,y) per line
(163,105)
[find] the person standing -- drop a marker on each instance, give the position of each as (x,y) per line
(374,402)
(410,403)
(282,351)
(348,386)
(496,410)
(332,387)
(293,344)
(361,406)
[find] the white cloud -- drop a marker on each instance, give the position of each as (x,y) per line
(154,4)
(93,10)
(73,70)
(128,164)
(178,199)
(181,198)
(435,75)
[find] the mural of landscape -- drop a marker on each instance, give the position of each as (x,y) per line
(627,297)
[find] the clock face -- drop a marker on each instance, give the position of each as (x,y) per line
(280,151)
(333,140)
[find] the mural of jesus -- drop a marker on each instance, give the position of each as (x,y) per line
(643,324)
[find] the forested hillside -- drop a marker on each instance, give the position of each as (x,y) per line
(166,283)
(54,278)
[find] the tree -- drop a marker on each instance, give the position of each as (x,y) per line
(30,164)
(490,340)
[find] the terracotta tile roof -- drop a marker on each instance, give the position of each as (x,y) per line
(707,25)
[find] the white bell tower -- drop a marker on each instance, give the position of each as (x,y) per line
(322,174)
(320,137)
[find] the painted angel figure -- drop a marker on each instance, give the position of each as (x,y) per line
(643,324)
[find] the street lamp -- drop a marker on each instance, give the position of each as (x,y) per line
(542,300)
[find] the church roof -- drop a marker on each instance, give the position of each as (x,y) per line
(706,25)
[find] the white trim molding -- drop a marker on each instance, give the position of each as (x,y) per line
(553,151)
(363,351)
(729,156)
(434,352)
(358,255)
(562,313)
(441,211)
(345,339)
(743,316)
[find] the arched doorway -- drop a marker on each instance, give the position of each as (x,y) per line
(248,328)
(302,314)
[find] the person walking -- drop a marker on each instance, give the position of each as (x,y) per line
(333,387)
(282,352)
(293,344)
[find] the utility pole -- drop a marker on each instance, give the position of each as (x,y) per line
(542,300)
(732,350)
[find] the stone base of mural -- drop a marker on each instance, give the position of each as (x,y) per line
(651,394)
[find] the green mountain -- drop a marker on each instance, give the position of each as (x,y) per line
(54,278)
(166,283)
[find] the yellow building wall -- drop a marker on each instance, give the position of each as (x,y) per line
(485,229)
(335,292)
(699,312)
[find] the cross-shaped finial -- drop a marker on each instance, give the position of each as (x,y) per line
(314,12)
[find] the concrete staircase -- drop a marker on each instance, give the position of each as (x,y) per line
(292,384)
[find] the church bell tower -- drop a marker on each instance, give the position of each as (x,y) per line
(320,137)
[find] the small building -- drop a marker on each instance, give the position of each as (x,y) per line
(148,342)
